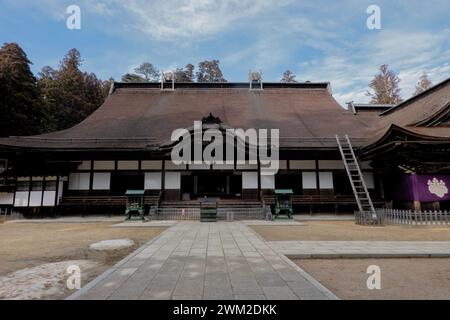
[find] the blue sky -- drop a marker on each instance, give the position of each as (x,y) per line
(318,40)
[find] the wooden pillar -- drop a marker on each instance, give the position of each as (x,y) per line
(259,180)
(388,204)
(91,178)
(195,184)
(163,179)
(436,206)
(57,190)
(416,203)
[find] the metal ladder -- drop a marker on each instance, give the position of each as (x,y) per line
(355,176)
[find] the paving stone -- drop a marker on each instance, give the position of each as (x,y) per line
(224,293)
(189,285)
(225,260)
(279,293)
(255,297)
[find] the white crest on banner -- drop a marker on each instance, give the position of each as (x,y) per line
(437,187)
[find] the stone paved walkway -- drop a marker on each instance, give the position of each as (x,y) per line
(193,260)
(322,249)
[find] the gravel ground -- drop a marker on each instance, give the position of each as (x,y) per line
(348,230)
(26,246)
(402,279)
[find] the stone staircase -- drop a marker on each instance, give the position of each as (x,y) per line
(224,209)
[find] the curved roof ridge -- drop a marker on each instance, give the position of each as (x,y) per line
(416,97)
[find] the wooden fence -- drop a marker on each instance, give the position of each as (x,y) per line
(405,217)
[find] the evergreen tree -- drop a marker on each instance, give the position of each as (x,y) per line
(70,94)
(19,101)
(146,72)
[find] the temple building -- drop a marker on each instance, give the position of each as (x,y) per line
(403,150)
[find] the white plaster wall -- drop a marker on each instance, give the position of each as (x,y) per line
(169,165)
(153,180)
(101,181)
(223,166)
(128,165)
(309,180)
(21,199)
(35,198)
(79,181)
(302,164)
(249,180)
(49,198)
(326,180)
(85,165)
(267,182)
(331,164)
(151,165)
(104,165)
(172,181)
(202,166)
(6,198)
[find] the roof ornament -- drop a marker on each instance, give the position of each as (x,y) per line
(168,81)
(210,119)
(255,79)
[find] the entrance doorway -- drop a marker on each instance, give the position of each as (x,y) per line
(211,184)
(123,181)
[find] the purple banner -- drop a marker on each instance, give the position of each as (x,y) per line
(425,188)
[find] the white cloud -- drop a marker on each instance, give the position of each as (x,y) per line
(174,19)
(319,41)
(350,69)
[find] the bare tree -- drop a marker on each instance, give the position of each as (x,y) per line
(288,77)
(385,87)
(423,84)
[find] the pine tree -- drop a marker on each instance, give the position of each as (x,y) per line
(146,72)
(423,84)
(385,87)
(288,77)
(69,93)
(20,109)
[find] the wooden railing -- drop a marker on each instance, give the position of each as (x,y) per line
(405,217)
(223,213)
(315,199)
(106,201)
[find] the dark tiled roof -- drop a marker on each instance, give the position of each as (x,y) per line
(138,115)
